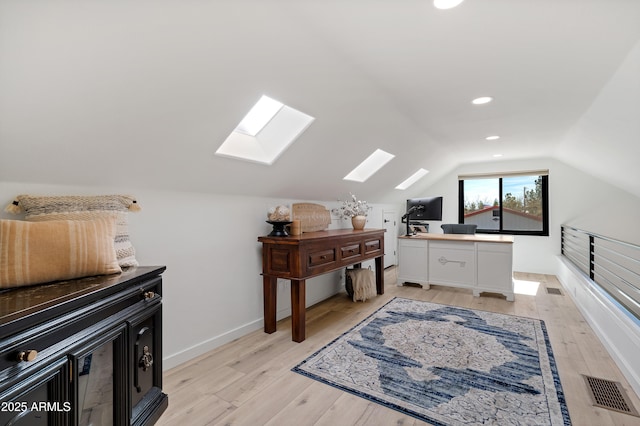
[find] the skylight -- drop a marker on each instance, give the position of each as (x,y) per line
(412,179)
(482,100)
(259,116)
(369,166)
(265,132)
(446,4)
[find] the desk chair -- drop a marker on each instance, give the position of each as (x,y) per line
(458,228)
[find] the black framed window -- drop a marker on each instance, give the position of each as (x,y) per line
(511,203)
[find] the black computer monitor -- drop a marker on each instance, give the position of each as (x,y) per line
(424,208)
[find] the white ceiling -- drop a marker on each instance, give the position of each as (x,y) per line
(142,93)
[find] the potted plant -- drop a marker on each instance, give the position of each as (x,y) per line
(353,209)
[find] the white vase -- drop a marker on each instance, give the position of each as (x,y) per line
(358,222)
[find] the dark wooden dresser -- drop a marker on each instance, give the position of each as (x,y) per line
(297,258)
(83,352)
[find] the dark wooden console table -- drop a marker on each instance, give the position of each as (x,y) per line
(298,258)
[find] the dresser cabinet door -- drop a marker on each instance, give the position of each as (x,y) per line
(413,261)
(494,267)
(40,400)
(99,372)
(145,342)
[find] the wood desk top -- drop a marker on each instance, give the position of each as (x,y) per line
(477,238)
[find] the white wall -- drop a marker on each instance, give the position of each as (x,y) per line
(212,290)
(575,198)
(609,131)
(604,143)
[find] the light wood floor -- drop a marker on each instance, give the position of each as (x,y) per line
(249,382)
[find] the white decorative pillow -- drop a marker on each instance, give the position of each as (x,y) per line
(36,253)
(80,207)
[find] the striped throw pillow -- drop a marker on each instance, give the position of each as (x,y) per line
(41,252)
(84,207)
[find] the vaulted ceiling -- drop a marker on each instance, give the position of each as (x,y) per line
(142,93)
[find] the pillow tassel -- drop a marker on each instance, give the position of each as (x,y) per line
(14,207)
(134,206)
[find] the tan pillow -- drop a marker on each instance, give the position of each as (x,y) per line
(40,208)
(40,252)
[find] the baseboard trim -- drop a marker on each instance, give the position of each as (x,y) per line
(194,351)
(618,333)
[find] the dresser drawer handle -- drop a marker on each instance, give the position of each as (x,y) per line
(146,360)
(27,356)
(148,295)
(323,257)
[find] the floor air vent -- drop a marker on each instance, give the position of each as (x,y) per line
(610,395)
(554,290)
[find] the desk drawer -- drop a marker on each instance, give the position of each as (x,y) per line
(371,246)
(495,247)
(321,257)
(350,251)
(452,266)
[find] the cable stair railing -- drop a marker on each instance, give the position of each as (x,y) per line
(611,264)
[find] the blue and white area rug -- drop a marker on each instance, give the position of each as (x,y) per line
(447,365)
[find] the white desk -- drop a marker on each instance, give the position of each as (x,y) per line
(480,262)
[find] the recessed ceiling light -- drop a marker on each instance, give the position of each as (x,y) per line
(482,100)
(497,155)
(446,4)
(412,179)
(369,166)
(492,138)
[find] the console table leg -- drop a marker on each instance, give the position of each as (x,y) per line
(298,310)
(379,275)
(269,288)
